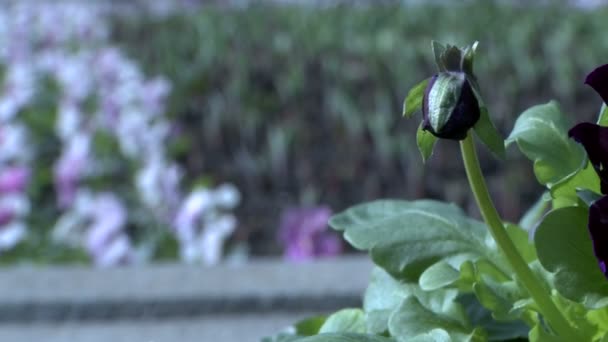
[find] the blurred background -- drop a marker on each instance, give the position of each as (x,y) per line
(198,130)
(218,132)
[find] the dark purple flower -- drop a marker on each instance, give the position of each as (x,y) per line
(303,232)
(594,139)
(598,228)
(598,80)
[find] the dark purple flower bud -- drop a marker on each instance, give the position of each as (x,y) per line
(598,228)
(598,80)
(594,139)
(449,106)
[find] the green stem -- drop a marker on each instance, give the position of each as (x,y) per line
(523,272)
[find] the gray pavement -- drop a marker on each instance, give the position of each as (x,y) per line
(159,303)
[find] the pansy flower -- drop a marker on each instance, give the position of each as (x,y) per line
(594,139)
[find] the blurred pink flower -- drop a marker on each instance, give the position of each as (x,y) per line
(303,233)
(14,179)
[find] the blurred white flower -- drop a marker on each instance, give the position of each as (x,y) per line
(11,235)
(96,223)
(202,227)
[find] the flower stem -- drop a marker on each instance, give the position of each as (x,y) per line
(524,274)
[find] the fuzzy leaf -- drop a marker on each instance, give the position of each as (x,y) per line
(564,247)
(405,238)
(541,134)
(382,297)
(345,320)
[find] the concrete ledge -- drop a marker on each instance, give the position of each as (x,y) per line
(30,294)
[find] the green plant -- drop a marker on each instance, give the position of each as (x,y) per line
(442,276)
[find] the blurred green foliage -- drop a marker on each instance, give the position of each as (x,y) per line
(301,104)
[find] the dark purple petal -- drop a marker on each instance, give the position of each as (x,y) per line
(598,80)
(594,139)
(598,228)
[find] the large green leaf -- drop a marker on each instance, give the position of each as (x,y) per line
(541,134)
(345,337)
(564,247)
(405,238)
(345,320)
(413,100)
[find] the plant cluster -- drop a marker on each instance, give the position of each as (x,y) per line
(84,168)
(443,276)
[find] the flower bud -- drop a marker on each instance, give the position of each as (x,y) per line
(449,106)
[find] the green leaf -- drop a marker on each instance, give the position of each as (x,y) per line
(565,248)
(405,238)
(345,337)
(539,334)
(535,212)
(345,320)
(309,326)
(438,51)
(564,193)
(488,134)
(484,128)
(306,327)
(521,239)
(496,330)
(602,120)
(579,316)
(438,275)
(425,141)
(445,316)
(541,134)
(499,297)
(413,100)
(382,297)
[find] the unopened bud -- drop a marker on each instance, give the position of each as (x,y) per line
(449,106)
